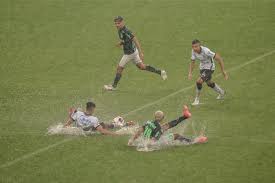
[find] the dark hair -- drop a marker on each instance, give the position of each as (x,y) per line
(118,19)
(195,41)
(90,105)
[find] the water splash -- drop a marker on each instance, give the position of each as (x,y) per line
(59,129)
(167,140)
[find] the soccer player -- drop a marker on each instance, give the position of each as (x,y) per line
(207,67)
(153,130)
(87,121)
(132,53)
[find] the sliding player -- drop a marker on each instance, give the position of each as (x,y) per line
(87,121)
(132,53)
(153,130)
(207,67)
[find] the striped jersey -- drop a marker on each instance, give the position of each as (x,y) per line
(152,129)
(206,58)
(85,121)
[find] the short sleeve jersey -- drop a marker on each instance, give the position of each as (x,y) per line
(84,121)
(152,129)
(206,57)
(126,37)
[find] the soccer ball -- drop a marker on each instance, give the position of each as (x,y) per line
(118,121)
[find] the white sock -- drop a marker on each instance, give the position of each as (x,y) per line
(218,89)
(198,92)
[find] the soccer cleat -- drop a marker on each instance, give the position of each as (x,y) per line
(221,96)
(109,87)
(200,140)
(163,75)
(196,101)
(186,113)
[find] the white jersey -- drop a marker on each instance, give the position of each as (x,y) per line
(84,121)
(206,57)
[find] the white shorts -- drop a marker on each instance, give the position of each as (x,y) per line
(134,57)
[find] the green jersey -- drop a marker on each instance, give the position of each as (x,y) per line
(152,129)
(126,37)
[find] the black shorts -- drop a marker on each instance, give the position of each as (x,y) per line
(206,74)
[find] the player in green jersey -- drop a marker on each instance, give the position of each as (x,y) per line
(132,53)
(153,129)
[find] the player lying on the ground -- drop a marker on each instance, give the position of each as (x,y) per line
(153,130)
(87,121)
(207,68)
(132,53)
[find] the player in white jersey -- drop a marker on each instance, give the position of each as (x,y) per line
(207,67)
(87,121)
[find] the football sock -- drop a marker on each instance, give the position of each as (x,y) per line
(152,69)
(116,80)
(198,90)
(176,121)
(218,89)
(107,126)
(183,139)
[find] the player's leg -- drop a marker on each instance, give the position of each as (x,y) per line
(107,126)
(216,88)
(182,138)
(185,115)
(123,62)
(199,83)
(142,66)
(214,85)
(197,140)
(118,76)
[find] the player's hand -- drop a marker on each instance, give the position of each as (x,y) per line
(225,75)
(118,44)
(141,56)
(190,76)
(130,142)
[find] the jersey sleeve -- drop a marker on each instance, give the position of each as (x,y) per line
(193,57)
(74,115)
(129,34)
(210,53)
(95,122)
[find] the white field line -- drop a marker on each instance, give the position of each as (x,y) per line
(29,155)
(41,150)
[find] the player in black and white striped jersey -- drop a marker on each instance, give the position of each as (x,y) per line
(207,67)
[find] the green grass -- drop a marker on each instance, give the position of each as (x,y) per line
(55,54)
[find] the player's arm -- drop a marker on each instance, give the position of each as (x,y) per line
(119,44)
(68,122)
(138,47)
(136,135)
(219,59)
(191,68)
(104,131)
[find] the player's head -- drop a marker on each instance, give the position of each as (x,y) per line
(90,107)
(159,116)
(119,23)
(196,45)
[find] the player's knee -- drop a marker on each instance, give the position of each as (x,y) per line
(119,69)
(199,85)
(141,66)
(211,84)
(200,81)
